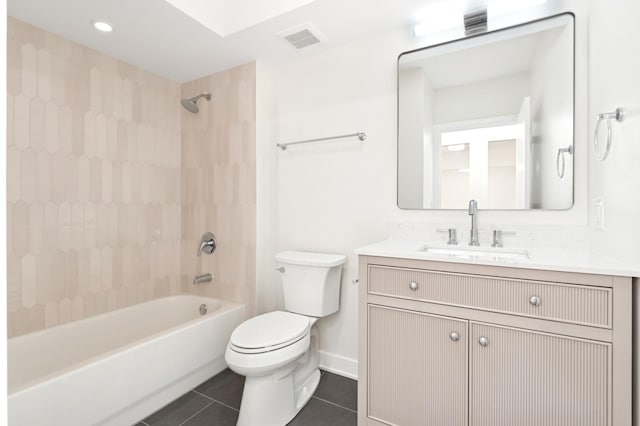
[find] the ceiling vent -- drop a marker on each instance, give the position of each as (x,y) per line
(303,35)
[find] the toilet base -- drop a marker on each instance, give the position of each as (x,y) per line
(275,399)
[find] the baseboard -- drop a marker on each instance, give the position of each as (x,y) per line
(340,365)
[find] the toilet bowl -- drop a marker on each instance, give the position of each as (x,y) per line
(277,352)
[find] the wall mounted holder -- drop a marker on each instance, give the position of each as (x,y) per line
(361,135)
(619,116)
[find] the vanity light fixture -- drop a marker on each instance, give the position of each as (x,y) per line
(102,26)
(447,15)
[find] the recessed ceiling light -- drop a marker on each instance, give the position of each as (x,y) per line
(105,27)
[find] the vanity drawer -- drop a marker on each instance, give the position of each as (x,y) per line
(571,303)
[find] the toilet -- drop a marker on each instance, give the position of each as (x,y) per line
(277,352)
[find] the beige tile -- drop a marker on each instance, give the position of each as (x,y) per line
(71,178)
(64,311)
(36,228)
(21,124)
(29,70)
(10,118)
(95,167)
(44,177)
(20,231)
(95,270)
(57,176)
(51,314)
(36,124)
(71,281)
(52,128)
(107,268)
(44,289)
(28,176)
(89,226)
(106,181)
(95,90)
(65,234)
(14,173)
(112,139)
(44,75)
(84,180)
(65,129)
(77,308)
(29,281)
(77,227)
(101,136)
(90,134)
(14,283)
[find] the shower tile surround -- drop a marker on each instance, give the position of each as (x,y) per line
(100,182)
(219,185)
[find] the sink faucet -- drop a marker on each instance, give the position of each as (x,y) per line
(473,212)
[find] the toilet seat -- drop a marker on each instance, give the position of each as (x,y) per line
(269,332)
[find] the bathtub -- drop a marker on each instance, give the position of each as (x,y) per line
(119,367)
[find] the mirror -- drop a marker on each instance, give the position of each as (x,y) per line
(490,118)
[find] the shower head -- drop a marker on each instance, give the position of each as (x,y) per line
(191,105)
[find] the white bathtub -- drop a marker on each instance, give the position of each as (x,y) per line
(119,367)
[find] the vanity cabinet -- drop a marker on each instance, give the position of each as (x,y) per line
(458,344)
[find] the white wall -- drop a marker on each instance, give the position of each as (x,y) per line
(337,196)
(614,81)
(477,100)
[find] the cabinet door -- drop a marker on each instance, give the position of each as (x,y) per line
(417,368)
(526,378)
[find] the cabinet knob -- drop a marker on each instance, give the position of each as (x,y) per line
(535,301)
(413,285)
(483,341)
(454,336)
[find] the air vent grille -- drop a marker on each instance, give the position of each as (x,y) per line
(302,36)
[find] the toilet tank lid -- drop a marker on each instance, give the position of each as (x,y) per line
(310,259)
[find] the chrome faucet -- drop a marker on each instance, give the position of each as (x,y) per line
(208,244)
(473,212)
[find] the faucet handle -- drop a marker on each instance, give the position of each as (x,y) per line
(453,235)
(208,243)
(497,237)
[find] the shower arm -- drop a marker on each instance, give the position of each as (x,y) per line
(204,95)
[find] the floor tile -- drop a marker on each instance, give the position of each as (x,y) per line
(339,390)
(320,413)
(178,411)
(215,414)
(225,387)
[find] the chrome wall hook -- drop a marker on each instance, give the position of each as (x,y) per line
(619,116)
(560,163)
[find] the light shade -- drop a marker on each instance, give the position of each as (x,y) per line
(105,27)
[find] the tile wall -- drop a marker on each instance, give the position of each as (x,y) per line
(219,184)
(93,152)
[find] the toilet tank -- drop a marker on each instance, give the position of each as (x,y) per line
(310,282)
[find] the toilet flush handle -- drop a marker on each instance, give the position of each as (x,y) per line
(280,269)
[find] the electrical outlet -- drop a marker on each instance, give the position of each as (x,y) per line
(597,206)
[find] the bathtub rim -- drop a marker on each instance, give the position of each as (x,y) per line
(225,306)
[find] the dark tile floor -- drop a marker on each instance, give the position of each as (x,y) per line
(216,403)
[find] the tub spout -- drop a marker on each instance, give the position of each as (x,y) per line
(204,278)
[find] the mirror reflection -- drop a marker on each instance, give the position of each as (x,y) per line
(489,118)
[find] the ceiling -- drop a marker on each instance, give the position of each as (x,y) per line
(157,36)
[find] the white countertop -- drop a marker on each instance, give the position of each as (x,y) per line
(550,259)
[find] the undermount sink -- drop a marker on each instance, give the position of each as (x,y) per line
(465,252)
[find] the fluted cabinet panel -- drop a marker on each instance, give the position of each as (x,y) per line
(563,302)
(529,378)
(417,373)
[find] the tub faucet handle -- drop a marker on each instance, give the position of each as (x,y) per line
(208,243)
